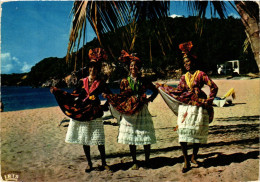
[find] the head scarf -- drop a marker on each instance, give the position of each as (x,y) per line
(186,48)
(97,55)
(128,58)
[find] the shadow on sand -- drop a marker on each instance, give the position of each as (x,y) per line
(233,129)
(243,118)
(227,159)
(210,159)
(218,159)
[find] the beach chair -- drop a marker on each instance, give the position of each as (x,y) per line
(221,101)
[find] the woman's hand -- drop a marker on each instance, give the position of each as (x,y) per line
(104,95)
(52,89)
(157,85)
(148,100)
(208,103)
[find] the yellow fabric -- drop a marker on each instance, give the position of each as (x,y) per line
(230,92)
(189,78)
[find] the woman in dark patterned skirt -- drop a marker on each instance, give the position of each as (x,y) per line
(84,108)
(195,109)
(136,125)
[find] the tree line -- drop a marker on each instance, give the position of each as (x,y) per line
(221,40)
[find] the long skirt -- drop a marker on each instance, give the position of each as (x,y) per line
(137,129)
(86,133)
(193,124)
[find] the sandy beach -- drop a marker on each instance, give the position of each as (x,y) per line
(32,144)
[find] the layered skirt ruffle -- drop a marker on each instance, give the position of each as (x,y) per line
(137,129)
(86,133)
(193,124)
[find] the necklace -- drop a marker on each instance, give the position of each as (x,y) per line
(133,78)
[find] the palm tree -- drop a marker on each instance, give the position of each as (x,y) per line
(249,12)
(106,16)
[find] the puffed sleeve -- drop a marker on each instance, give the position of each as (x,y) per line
(180,88)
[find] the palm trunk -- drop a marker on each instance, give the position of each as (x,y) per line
(251,28)
(150,46)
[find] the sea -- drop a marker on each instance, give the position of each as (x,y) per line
(22,98)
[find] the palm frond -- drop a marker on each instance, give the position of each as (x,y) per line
(79,22)
(107,16)
(200,9)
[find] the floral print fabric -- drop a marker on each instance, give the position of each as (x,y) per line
(130,101)
(194,96)
(83,104)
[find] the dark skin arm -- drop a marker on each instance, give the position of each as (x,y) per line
(106,91)
(153,88)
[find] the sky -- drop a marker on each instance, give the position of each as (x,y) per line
(34,30)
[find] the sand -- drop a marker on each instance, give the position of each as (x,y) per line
(32,144)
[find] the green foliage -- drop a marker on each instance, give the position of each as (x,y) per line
(47,68)
(220,41)
(12,79)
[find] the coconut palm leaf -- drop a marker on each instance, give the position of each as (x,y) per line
(200,8)
(107,16)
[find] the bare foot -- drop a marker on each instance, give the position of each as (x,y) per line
(134,167)
(194,162)
(89,169)
(186,167)
(103,168)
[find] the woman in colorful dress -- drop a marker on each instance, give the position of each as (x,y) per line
(84,108)
(195,111)
(136,124)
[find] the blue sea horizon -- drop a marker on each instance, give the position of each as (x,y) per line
(25,97)
(22,98)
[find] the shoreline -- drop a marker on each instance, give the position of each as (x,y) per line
(169,81)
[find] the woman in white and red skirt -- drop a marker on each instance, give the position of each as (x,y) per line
(84,108)
(195,108)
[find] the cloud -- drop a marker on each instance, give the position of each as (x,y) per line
(175,16)
(11,64)
(15,59)
(6,66)
(26,67)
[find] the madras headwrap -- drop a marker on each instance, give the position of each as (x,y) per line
(186,48)
(97,54)
(128,58)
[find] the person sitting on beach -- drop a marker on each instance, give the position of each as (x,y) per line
(84,108)
(136,124)
(195,110)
